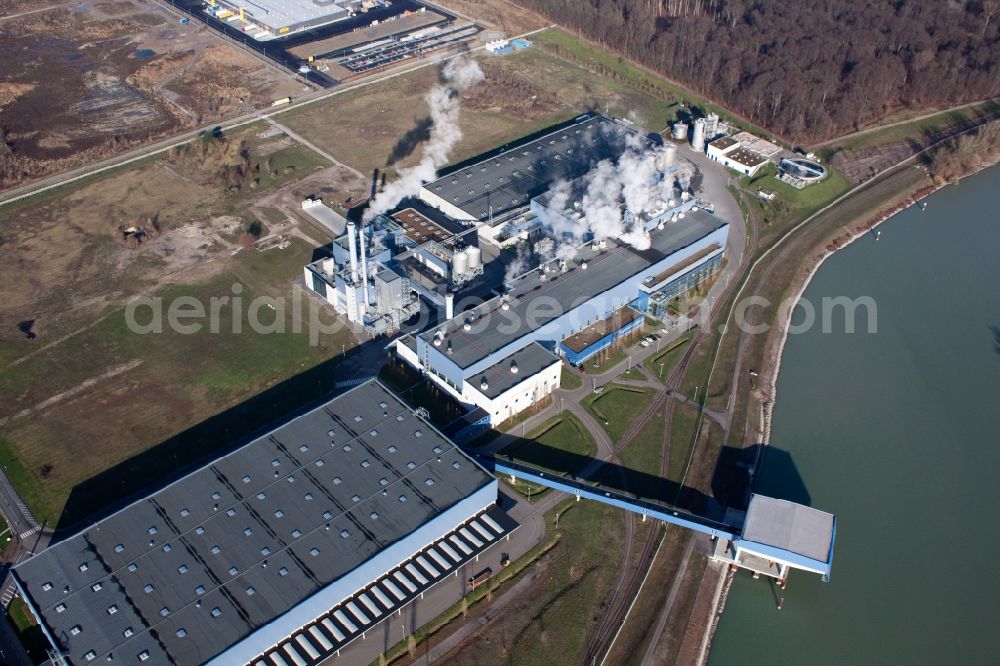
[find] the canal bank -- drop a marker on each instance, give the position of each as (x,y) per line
(892,432)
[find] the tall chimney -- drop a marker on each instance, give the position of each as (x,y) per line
(352,242)
(364,265)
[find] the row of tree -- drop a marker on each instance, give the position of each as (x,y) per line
(807,70)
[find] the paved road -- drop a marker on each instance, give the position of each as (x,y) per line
(18,516)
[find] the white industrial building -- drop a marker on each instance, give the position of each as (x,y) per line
(359,283)
(743,152)
(270,19)
(503,356)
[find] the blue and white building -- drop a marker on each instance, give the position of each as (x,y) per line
(552,303)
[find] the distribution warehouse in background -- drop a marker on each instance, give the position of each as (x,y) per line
(282,551)
(275,18)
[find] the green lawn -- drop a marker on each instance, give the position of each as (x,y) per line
(617,407)
(640,462)
(611,65)
(634,374)
(915,130)
(791,204)
(289,164)
(667,358)
(172,379)
(567,446)
(570,380)
(681,440)
(27,629)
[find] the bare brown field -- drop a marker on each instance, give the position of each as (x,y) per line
(76,385)
(14,7)
(373,127)
(85,81)
(499,15)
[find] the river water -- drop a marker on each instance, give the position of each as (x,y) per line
(897,433)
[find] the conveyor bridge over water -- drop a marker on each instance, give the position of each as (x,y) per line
(774,536)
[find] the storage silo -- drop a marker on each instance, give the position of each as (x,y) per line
(698,135)
(475,257)
(680,132)
(459,263)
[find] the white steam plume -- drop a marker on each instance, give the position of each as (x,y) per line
(459,74)
(635,180)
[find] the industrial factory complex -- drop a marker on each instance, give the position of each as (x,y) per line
(287,549)
(281,553)
(504,354)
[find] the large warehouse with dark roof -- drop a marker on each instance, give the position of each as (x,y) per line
(280,552)
(509,180)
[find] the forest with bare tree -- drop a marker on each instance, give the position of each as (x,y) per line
(806,70)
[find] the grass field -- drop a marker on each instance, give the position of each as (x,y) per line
(570,380)
(146,388)
(81,393)
(27,629)
(681,440)
(368,128)
(566,446)
(665,361)
(791,204)
(916,129)
(634,374)
(605,359)
(613,65)
(617,407)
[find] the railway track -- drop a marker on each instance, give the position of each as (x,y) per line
(630,580)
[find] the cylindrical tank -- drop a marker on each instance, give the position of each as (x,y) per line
(698,135)
(711,125)
(680,132)
(475,257)
(449,305)
(459,263)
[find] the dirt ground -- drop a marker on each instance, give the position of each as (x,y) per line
(15,7)
(500,15)
(86,80)
(66,266)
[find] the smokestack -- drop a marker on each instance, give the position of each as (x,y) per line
(449,305)
(352,243)
(364,265)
